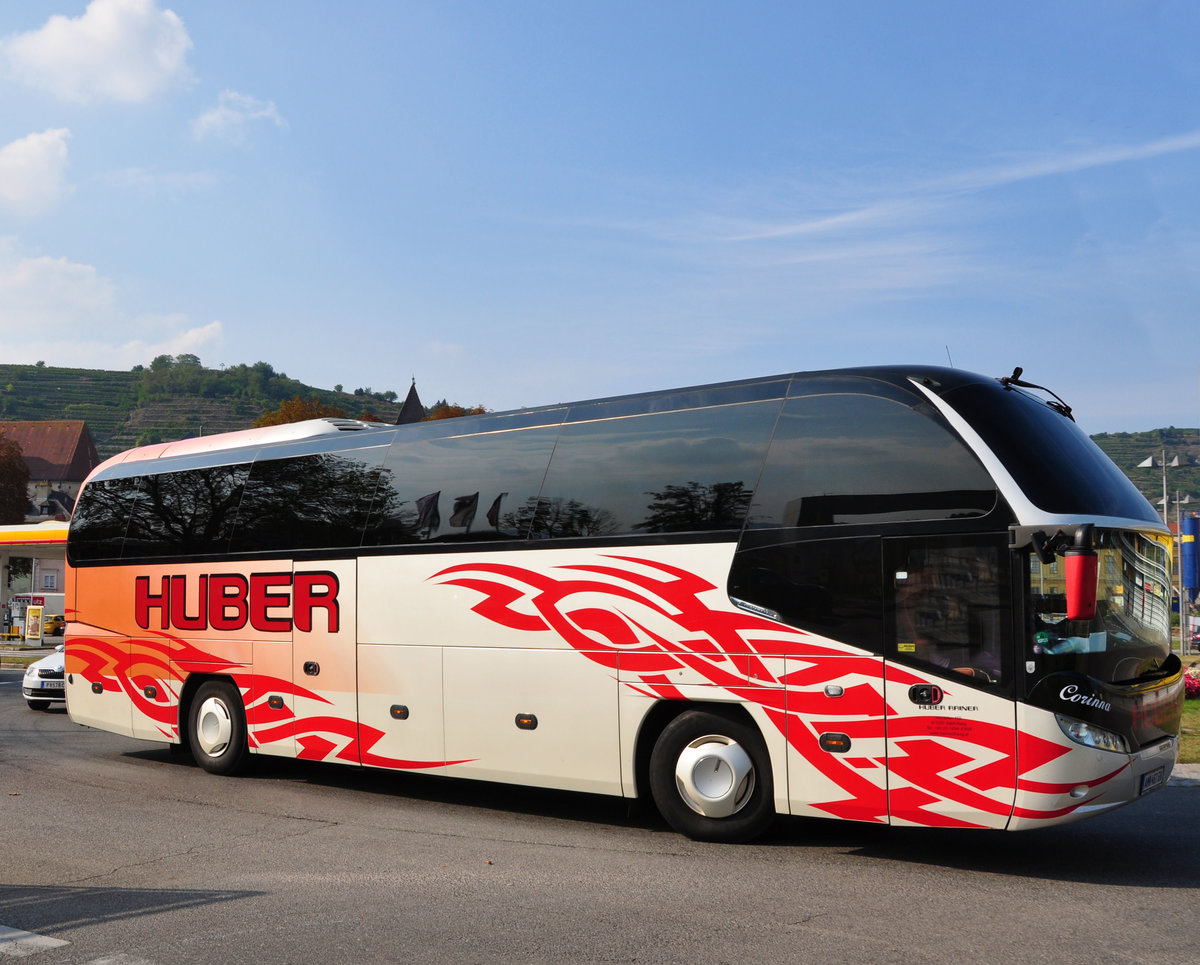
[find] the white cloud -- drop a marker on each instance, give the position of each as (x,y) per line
(68,313)
(855,241)
(43,293)
(917,203)
(232,116)
(1067,163)
(150,182)
(194,341)
(119,50)
(33,172)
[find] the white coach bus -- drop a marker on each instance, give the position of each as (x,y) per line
(898,595)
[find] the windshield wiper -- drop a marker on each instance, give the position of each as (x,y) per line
(1058,405)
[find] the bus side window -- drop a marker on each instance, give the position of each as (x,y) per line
(461,488)
(847,459)
(690,470)
(830,587)
(306,502)
(101,518)
(185,512)
(952,606)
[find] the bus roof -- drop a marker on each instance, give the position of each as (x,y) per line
(699,396)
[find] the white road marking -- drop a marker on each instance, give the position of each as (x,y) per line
(17,944)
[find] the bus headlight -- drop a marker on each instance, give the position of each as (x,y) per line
(1089,735)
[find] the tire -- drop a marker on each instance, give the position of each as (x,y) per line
(217,728)
(710,777)
(38,704)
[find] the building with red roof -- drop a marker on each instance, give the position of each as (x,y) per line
(59,454)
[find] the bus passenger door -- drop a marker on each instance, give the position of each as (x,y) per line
(951,727)
(830,591)
(324,667)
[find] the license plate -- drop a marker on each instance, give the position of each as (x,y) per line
(1153,779)
(52,685)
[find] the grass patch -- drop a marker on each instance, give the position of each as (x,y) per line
(1189,734)
(18,663)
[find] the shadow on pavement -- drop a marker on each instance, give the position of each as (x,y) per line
(45,909)
(1151,843)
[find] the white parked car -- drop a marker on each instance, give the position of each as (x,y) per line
(43,683)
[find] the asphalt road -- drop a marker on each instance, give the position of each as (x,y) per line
(123,853)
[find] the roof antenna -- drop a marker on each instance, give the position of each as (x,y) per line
(949,357)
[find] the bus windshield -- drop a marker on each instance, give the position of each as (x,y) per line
(1030,437)
(1130,635)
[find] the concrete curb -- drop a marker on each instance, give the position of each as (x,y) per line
(1185,775)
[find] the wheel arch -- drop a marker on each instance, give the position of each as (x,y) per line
(656,721)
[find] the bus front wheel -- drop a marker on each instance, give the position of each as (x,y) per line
(710,777)
(217,728)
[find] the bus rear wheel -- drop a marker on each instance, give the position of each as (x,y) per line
(217,728)
(710,777)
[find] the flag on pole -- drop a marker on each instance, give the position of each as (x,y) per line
(493,514)
(428,517)
(464,510)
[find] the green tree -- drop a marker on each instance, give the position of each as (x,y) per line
(14,482)
(444,411)
(558,518)
(680,508)
(19,567)
(299,410)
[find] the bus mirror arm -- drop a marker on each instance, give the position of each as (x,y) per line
(1046,547)
(1081,564)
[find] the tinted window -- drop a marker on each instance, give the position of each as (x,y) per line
(100,519)
(839,459)
(180,513)
(1059,468)
(309,502)
(953,605)
(459,487)
(690,470)
(830,587)
(701,397)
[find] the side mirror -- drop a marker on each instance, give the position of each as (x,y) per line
(1082,571)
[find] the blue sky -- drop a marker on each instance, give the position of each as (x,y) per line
(523,203)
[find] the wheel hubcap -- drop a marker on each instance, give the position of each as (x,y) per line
(213,727)
(715,776)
